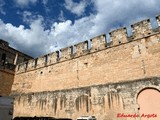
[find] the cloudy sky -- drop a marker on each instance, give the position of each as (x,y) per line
(38,27)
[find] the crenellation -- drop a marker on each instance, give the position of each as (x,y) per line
(81,48)
(22,67)
(98,43)
(66,53)
(31,64)
(118,36)
(109,44)
(40,62)
(52,58)
(158,20)
(141,29)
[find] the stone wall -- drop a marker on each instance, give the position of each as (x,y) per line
(71,76)
(118,62)
(103,101)
(6,81)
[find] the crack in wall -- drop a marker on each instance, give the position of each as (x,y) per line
(142,61)
(77,73)
(139,49)
(143,67)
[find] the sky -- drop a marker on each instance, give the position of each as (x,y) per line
(38,27)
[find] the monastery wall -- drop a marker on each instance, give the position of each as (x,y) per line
(106,102)
(124,58)
(114,72)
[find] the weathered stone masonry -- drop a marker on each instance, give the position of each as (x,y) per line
(104,101)
(102,80)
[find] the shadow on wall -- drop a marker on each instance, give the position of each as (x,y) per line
(40,118)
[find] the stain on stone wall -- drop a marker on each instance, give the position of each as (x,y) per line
(101,100)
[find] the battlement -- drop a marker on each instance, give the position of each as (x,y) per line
(141,29)
(81,48)
(117,37)
(98,43)
(66,53)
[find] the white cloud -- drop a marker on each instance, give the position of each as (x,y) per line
(27,40)
(76,8)
(36,40)
(27,16)
(24,3)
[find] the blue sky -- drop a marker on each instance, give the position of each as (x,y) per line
(38,27)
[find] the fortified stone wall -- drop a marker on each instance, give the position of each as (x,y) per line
(138,56)
(52,85)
